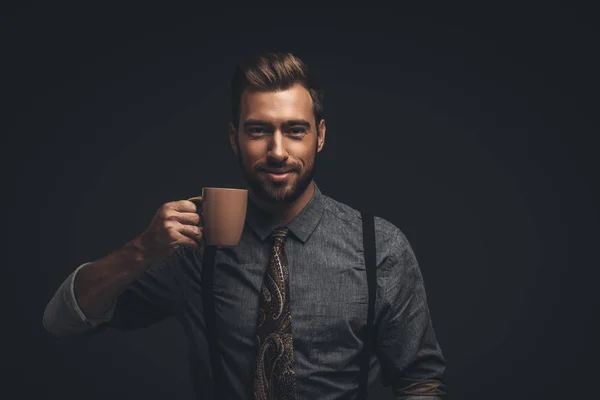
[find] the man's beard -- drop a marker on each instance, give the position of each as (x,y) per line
(273,192)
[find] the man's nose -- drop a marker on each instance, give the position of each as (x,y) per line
(277,149)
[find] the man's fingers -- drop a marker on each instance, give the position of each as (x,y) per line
(192,232)
(186,241)
(184,206)
(187,218)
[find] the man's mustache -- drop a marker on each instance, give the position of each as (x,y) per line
(286,167)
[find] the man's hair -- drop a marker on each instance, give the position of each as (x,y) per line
(274,71)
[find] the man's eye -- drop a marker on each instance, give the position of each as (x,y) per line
(297,131)
(256,131)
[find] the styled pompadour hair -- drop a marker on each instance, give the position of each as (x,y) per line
(273,71)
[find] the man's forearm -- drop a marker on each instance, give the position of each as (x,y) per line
(87,298)
(428,389)
(98,285)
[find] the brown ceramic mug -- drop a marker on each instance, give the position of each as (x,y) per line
(223,214)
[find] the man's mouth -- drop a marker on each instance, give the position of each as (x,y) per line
(276,170)
(277,174)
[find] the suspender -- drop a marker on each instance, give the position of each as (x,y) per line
(368,222)
(208,307)
(208,266)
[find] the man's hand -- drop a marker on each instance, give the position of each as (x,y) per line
(175,224)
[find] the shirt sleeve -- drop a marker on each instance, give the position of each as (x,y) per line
(63,317)
(411,358)
(155,295)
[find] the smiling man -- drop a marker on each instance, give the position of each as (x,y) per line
(277,146)
(291,298)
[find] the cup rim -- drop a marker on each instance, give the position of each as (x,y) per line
(223,188)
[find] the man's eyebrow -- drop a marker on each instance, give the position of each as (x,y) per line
(256,122)
(295,122)
(291,122)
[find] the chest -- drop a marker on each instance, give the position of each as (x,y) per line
(328,292)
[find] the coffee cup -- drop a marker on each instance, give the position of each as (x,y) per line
(222,215)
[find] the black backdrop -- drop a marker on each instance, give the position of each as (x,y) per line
(471,129)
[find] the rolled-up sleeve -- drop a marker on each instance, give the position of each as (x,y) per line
(63,317)
(411,358)
(154,295)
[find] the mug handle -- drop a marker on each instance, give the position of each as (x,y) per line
(198,201)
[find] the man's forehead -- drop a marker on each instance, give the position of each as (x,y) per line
(295,99)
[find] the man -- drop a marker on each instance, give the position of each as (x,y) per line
(291,299)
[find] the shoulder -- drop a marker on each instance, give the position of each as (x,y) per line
(389,238)
(397,264)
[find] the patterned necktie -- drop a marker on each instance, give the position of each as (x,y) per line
(275,377)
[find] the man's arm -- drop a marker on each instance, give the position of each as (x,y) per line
(88,297)
(155,294)
(63,316)
(98,291)
(411,358)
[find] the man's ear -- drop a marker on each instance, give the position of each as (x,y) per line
(321,129)
(233,138)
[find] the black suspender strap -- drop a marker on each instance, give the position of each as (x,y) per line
(368,222)
(208,307)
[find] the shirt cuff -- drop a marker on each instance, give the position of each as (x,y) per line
(63,317)
(92,320)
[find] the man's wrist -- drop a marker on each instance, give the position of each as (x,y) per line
(139,251)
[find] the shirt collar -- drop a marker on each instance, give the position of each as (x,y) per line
(302,226)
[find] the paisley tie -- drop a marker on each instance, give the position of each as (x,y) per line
(275,377)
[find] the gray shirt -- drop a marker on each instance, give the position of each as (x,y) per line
(329,298)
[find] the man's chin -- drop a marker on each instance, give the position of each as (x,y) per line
(281,195)
(276,193)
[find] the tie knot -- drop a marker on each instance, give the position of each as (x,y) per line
(278,235)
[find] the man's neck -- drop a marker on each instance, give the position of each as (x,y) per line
(284,213)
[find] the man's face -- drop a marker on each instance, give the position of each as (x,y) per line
(277,143)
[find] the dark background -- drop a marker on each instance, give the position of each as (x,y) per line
(471,129)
